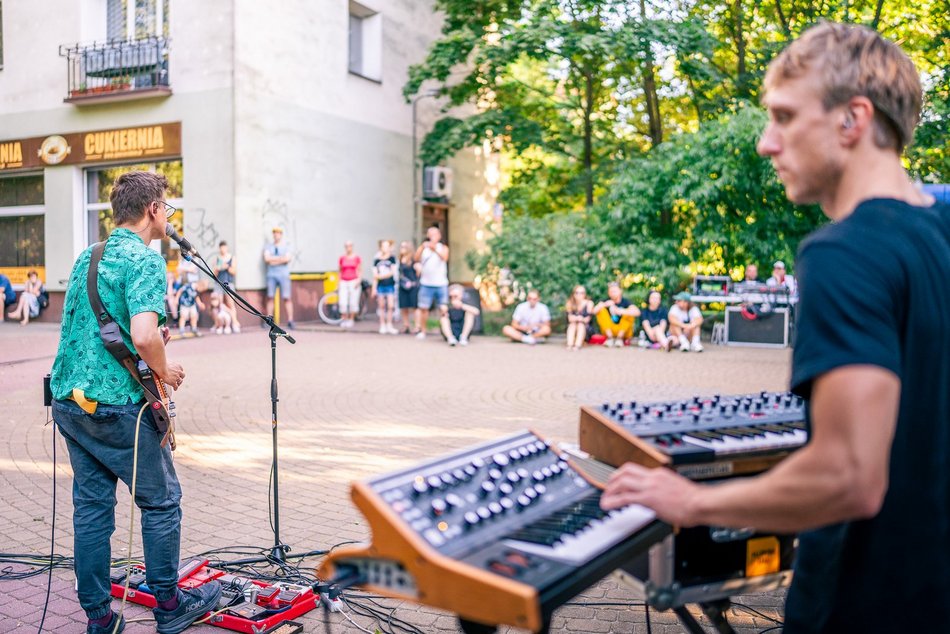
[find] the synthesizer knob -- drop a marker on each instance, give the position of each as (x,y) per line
(495,474)
(531,493)
(447,479)
(540,488)
(523,502)
(470,470)
(547,472)
(532,449)
(505,489)
(438,507)
(513,476)
(487,487)
(472,519)
(514,455)
(453,500)
(696,417)
(460,475)
(495,508)
(478,463)
(523,473)
(524,452)
(434,482)
(500,459)
(506,503)
(605,407)
(483,512)
(419,487)
(562,464)
(555,469)
(537,476)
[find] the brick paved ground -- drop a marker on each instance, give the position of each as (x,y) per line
(352,405)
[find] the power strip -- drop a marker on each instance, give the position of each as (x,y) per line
(333,605)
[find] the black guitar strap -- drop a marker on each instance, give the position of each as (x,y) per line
(111,335)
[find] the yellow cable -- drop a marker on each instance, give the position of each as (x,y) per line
(135,468)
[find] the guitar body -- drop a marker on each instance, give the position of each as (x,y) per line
(159,402)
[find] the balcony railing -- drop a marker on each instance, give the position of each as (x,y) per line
(117,70)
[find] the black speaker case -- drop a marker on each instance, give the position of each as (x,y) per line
(739,330)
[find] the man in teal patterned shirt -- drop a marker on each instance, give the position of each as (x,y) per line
(96,406)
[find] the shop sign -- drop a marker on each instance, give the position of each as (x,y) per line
(146,142)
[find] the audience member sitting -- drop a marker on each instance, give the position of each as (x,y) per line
(531,321)
(29,304)
(457,322)
(221,315)
(780,280)
(653,323)
(187,297)
(615,316)
(751,273)
(9,295)
(579,311)
(685,323)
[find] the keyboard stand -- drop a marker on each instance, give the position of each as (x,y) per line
(715,611)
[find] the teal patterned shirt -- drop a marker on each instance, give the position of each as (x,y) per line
(131,281)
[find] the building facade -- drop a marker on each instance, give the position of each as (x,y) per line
(259,114)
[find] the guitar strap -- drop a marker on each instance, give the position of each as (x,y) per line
(111,335)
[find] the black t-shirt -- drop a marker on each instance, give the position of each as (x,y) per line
(623,303)
(654,317)
(456,321)
(385,265)
(875,289)
(408,276)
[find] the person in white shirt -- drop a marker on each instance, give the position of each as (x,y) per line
(685,323)
(531,322)
(780,279)
(433,279)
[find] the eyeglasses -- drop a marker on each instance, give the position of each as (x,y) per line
(169,209)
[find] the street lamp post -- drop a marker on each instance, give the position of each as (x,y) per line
(416,221)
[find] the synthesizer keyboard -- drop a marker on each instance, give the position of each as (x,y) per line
(501,533)
(702,437)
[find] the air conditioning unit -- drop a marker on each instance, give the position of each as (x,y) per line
(437,182)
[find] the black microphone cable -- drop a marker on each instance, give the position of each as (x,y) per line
(52,532)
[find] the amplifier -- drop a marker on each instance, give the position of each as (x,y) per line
(767,330)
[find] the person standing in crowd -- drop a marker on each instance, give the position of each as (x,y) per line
(103,435)
(531,321)
(9,295)
(615,317)
(28,306)
(225,269)
(277,257)
(433,278)
(409,271)
(189,303)
(686,323)
(579,309)
(350,267)
(779,279)
(653,323)
(384,286)
(869,494)
(459,320)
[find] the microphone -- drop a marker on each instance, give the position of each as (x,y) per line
(186,247)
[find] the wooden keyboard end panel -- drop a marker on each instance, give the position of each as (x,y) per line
(441,581)
(609,442)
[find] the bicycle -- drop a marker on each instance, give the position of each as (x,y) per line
(328,308)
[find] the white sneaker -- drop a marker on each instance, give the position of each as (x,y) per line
(421,335)
(391,330)
(643,343)
(227,330)
(453,342)
(236,328)
(684,344)
(463,342)
(528,339)
(609,343)
(218,331)
(383,330)
(696,346)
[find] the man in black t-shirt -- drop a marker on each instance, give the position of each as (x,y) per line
(871,489)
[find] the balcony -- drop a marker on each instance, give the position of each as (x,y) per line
(104,72)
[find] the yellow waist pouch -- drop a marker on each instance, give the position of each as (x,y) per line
(79,397)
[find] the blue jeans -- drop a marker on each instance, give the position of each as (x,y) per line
(100,451)
(428,293)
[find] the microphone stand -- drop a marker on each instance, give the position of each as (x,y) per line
(279,551)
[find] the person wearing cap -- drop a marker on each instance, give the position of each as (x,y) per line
(277,257)
(780,279)
(686,323)
(615,316)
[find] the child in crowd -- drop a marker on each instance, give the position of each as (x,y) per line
(459,320)
(579,311)
(221,315)
(409,271)
(188,306)
(384,286)
(653,324)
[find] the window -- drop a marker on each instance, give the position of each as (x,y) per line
(99,223)
(136,19)
(366,42)
(22,234)
(1,35)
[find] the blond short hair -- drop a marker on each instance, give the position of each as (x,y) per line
(851,61)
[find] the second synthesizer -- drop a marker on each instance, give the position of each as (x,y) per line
(702,437)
